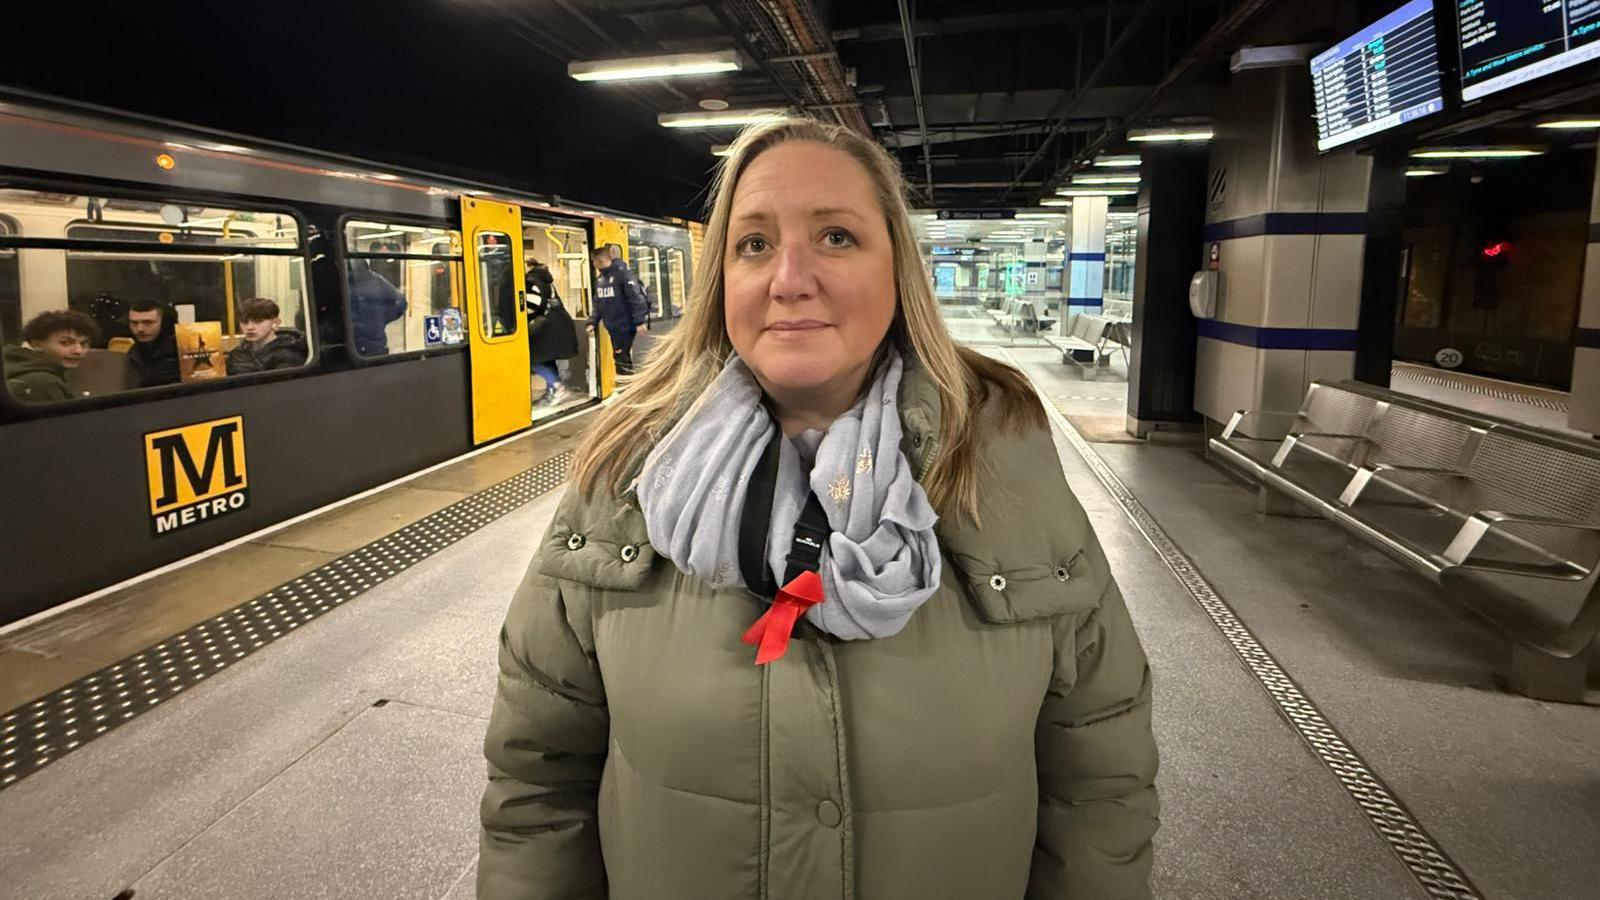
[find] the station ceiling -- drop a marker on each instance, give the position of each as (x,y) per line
(986,104)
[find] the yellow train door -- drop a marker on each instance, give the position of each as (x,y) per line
(607,231)
(502,394)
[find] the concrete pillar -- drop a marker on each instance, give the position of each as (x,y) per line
(1086,259)
(1289,230)
(1161,364)
(1583,411)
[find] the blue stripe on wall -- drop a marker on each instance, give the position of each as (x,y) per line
(1588,337)
(1278,338)
(1287,223)
(1086,257)
(1086,301)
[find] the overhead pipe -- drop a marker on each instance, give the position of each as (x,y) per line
(916,91)
(1215,42)
(1060,120)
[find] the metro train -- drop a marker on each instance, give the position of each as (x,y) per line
(405,292)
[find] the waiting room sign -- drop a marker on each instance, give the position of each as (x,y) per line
(196,473)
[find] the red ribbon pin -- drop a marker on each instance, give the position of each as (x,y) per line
(770,634)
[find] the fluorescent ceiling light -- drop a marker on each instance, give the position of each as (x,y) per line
(1475,152)
(1425,171)
(1095,192)
(722,150)
(1106,179)
(1117,161)
(1041,215)
(1183,134)
(1572,124)
(728,118)
(665,66)
(1055,202)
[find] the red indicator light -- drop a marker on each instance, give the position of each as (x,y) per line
(1496,250)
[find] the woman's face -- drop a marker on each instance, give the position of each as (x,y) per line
(808,275)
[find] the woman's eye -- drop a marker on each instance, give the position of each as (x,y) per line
(752,245)
(838,237)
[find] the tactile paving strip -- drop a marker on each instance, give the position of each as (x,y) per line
(1530,397)
(33,735)
(1437,873)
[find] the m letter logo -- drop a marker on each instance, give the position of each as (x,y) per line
(195,473)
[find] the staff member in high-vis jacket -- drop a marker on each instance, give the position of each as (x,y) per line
(619,302)
(819,617)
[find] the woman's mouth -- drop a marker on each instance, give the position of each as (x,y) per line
(797,325)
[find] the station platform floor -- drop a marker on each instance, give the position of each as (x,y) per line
(1330,725)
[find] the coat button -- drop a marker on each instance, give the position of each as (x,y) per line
(575,542)
(828,814)
(998,582)
(630,553)
(1062,574)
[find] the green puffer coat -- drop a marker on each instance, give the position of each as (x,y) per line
(999,747)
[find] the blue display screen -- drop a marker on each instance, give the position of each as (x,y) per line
(1384,75)
(1505,43)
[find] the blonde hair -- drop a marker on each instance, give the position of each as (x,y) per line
(685,362)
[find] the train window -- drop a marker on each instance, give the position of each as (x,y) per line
(677,280)
(498,277)
(646,264)
(10,284)
(404,287)
(127,294)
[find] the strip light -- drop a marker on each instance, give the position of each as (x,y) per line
(1117,161)
(1425,171)
(1055,202)
(668,65)
(728,118)
(1095,192)
(1192,134)
(1475,153)
(1132,178)
(722,150)
(1572,124)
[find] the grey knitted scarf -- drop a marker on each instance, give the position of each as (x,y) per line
(882,561)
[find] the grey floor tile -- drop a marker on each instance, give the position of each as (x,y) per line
(384,808)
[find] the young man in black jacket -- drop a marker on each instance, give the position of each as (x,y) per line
(155,342)
(267,343)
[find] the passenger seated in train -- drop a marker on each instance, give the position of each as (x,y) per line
(155,343)
(268,343)
(52,343)
(552,336)
(374,303)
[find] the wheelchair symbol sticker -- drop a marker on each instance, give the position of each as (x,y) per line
(432,330)
(1449,357)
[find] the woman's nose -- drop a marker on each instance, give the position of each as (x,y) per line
(794,273)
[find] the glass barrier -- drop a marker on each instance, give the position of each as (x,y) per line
(122,294)
(405,287)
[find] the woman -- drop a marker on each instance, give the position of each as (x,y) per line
(966,711)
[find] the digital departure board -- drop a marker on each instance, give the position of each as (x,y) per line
(1385,75)
(1505,43)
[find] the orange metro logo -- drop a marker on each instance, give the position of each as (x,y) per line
(195,473)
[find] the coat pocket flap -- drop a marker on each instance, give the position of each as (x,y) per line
(571,556)
(1006,596)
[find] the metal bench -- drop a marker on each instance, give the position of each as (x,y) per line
(1087,334)
(1022,314)
(1503,516)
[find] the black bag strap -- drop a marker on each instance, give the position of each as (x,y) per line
(811,530)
